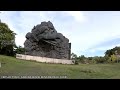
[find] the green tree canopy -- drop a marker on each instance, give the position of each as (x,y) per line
(115,50)
(73,56)
(7,39)
(20,50)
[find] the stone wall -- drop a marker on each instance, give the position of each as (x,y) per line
(44,59)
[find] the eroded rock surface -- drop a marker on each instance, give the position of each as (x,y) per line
(45,41)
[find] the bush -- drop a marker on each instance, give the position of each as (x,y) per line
(76,62)
(20,50)
(7,40)
(113,59)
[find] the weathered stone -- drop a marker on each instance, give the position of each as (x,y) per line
(44,41)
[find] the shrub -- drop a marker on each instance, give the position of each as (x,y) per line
(76,62)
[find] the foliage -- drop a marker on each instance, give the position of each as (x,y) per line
(82,57)
(76,62)
(15,67)
(111,56)
(7,39)
(20,50)
(73,56)
(112,59)
(90,58)
(115,50)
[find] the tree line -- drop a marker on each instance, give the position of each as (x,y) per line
(111,56)
(9,47)
(7,41)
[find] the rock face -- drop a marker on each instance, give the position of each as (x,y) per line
(45,41)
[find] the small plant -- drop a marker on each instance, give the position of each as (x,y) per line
(76,62)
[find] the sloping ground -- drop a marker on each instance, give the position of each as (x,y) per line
(12,67)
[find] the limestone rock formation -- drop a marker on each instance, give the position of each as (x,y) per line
(45,41)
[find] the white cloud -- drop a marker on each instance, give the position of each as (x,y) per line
(77,15)
(23,21)
(103,48)
(75,25)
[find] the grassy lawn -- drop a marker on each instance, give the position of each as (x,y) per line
(15,67)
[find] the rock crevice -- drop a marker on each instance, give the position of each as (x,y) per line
(45,41)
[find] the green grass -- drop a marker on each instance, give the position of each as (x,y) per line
(15,67)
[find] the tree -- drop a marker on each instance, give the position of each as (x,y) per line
(90,58)
(112,51)
(82,58)
(113,58)
(20,50)
(7,40)
(73,56)
(106,58)
(108,53)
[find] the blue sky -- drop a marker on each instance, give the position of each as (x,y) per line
(91,33)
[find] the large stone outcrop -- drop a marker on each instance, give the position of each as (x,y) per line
(45,41)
